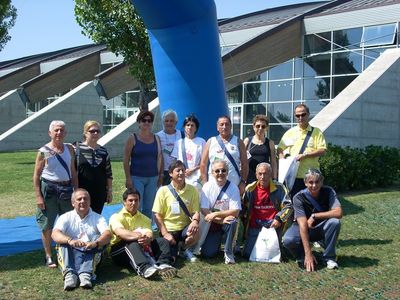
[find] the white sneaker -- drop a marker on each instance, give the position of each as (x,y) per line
(166,271)
(189,255)
(85,280)
(150,272)
(70,281)
(229,259)
(331,264)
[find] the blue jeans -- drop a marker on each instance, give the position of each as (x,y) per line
(213,240)
(252,235)
(77,261)
(147,188)
(327,231)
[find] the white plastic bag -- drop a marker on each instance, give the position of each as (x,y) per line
(266,248)
(288,168)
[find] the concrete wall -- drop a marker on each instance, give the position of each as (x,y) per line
(12,110)
(368,110)
(74,108)
(115,139)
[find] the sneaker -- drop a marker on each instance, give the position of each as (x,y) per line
(331,264)
(150,272)
(70,281)
(189,255)
(229,259)
(167,271)
(86,280)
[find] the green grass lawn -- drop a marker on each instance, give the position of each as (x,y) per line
(368,250)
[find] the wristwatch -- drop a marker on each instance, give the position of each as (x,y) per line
(313,216)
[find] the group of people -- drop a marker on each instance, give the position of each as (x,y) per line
(184,196)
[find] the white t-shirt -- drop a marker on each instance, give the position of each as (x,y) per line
(229,200)
(194,149)
(215,152)
(87,229)
(167,146)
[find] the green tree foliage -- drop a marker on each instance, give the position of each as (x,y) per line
(8,14)
(116,24)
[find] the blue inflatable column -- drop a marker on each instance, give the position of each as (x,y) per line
(187,60)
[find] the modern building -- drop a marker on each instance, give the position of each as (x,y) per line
(341,58)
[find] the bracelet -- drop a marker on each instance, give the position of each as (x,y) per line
(198,221)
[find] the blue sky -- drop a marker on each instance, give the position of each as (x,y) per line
(48,25)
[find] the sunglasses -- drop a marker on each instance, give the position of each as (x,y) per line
(220,171)
(147,121)
(94,131)
(301,115)
(261,126)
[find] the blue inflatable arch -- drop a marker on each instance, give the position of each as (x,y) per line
(187,61)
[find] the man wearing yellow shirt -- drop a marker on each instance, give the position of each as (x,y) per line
(132,242)
(293,140)
(176,224)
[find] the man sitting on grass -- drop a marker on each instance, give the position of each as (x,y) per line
(132,242)
(317,212)
(80,234)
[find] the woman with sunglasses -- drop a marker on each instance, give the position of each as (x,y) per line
(94,167)
(189,151)
(260,148)
(143,162)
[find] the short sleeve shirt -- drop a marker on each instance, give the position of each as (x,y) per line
(293,140)
(229,200)
(167,206)
(124,219)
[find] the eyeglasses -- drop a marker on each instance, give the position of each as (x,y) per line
(94,131)
(301,115)
(220,171)
(147,121)
(261,126)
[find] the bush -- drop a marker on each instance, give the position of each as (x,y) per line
(348,168)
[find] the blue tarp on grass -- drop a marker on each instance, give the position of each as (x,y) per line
(22,234)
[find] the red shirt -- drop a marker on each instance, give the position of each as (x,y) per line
(263,208)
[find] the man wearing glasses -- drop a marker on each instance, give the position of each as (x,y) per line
(220,205)
(293,141)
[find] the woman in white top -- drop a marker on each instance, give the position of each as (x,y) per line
(189,150)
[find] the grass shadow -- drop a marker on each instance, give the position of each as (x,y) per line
(349,208)
(27,260)
(351,261)
(359,242)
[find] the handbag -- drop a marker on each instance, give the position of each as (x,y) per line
(266,248)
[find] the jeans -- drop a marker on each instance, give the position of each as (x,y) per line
(77,261)
(213,240)
(147,188)
(327,231)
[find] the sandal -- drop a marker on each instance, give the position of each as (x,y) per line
(50,263)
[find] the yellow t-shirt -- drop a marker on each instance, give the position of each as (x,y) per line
(293,140)
(166,205)
(123,219)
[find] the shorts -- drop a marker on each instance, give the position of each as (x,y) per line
(53,206)
(179,236)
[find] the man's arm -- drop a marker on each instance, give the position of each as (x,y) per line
(39,165)
(221,216)
(309,259)
(204,162)
(163,229)
(244,166)
(335,212)
(315,153)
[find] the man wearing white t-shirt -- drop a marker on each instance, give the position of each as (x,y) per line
(220,205)
(80,234)
(168,136)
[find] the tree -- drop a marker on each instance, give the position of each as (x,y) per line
(116,24)
(8,14)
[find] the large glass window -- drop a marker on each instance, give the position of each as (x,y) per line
(280,112)
(371,55)
(255,92)
(316,88)
(235,95)
(321,64)
(250,110)
(315,43)
(280,90)
(340,83)
(347,39)
(349,62)
(379,35)
(282,71)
